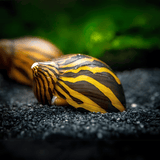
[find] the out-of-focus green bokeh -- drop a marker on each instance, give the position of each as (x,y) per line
(112,30)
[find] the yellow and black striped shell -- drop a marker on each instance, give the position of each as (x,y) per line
(18,55)
(80,81)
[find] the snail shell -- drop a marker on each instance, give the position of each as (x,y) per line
(18,55)
(80,81)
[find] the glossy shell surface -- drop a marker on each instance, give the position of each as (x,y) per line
(80,81)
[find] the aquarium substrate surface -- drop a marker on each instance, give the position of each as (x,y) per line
(32,130)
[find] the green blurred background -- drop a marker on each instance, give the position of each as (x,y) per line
(125,34)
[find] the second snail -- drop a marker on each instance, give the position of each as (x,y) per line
(80,81)
(17,56)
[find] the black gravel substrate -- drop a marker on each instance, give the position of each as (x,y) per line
(31,130)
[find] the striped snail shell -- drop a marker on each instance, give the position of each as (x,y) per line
(80,81)
(18,55)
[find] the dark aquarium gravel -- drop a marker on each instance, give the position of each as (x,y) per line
(29,129)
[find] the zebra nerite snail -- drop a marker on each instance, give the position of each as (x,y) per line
(80,81)
(18,55)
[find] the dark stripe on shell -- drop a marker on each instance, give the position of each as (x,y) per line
(78,101)
(40,95)
(43,91)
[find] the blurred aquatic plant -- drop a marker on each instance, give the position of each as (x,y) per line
(119,27)
(86,29)
(98,33)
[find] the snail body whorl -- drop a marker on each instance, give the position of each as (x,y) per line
(80,81)
(18,55)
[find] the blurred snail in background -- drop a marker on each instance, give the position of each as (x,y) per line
(80,81)
(18,55)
